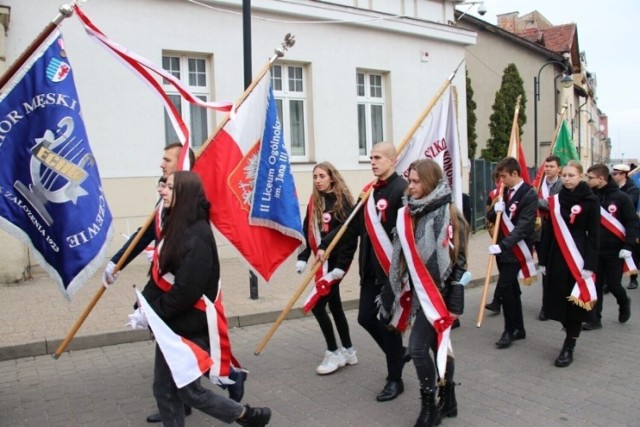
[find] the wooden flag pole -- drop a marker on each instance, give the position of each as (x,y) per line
(494,238)
(65,11)
(288,42)
(363,198)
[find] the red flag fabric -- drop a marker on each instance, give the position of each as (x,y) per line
(254,207)
(523,164)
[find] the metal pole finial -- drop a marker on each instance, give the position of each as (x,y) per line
(289,41)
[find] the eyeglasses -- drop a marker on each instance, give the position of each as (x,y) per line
(615,173)
(590,177)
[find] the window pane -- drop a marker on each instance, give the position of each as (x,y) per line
(276,78)
(296,113)
(199,131)
(169,133)
(171,64)
(279,105)
(197,72)
(376,124)
(362,130)
(295,79)
(360,83)
(375,88)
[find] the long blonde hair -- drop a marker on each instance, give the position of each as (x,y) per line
(338,188)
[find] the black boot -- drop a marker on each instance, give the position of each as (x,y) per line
(624,311)
(447,404)
(429,413)
(565,357)
(255,417)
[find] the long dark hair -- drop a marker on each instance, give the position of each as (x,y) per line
(188,205)
(338,188)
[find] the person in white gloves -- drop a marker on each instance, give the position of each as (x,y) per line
(329,206)
(574,222)
(617,240)
(513,248)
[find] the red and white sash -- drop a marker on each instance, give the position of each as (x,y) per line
(522,252)
(584,290)
(383,248)
(429,295)
(612,224)
(323,282)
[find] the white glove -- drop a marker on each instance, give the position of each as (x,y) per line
(624,254)
(587,274)
(108,277)
(300,265)
(498,207)
(336,274)
(543,269)
(494,250)
(137,320)
(149,255)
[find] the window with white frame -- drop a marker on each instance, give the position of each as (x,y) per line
(289,84)
(371,110)
(193,71)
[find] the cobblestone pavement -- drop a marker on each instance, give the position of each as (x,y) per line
(518,386)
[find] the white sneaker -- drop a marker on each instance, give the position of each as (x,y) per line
(349,355)
(331,362)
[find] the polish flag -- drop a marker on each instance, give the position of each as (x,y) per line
(187,360)
(247,176)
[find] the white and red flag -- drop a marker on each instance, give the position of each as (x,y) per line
(186,360)
(437,139)
(246,174)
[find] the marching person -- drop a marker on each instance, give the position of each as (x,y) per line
(617,239)
(430,245)
(374,225)
(513,248)
(186,267)
(620,174)
(550,186)
(569,254)
(329,206)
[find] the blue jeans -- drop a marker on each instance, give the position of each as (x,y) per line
(171,399)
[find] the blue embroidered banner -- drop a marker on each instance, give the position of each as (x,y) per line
(51,196)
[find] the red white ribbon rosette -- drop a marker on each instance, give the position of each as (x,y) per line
(382,206)
(575,210)
(326,219)
(612,209)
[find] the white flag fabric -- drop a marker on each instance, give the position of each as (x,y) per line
(187,360)
(437,139)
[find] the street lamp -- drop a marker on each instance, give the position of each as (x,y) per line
(566,81)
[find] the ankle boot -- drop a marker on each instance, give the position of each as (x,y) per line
(566,354)
(447,404)
(429,413)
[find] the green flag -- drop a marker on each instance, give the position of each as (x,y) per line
(564,147)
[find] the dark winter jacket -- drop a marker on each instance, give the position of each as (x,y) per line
(617,203)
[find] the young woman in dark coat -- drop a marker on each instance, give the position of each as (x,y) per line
(580,212)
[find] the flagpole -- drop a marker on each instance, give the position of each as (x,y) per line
(289,41)
(553,144)
(65,11)
(363,198)
(494,238)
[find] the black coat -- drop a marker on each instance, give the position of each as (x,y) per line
(198,274)
(632,191)
(585,230)
(617,203)
(342,255)
(522,206)
(370,268)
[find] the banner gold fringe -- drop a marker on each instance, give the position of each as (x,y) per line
(585,305)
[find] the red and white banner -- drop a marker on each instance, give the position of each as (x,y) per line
(612,224)
(583,293)
(245,193)
(322,284)
(527,267)
(437,139)
(219,342)
(429,295)
(186,360)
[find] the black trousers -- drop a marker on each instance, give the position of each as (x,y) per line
(321,315)
(389,341)
(509,289)
(609,272)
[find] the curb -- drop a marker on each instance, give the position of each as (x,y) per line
(49,346)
